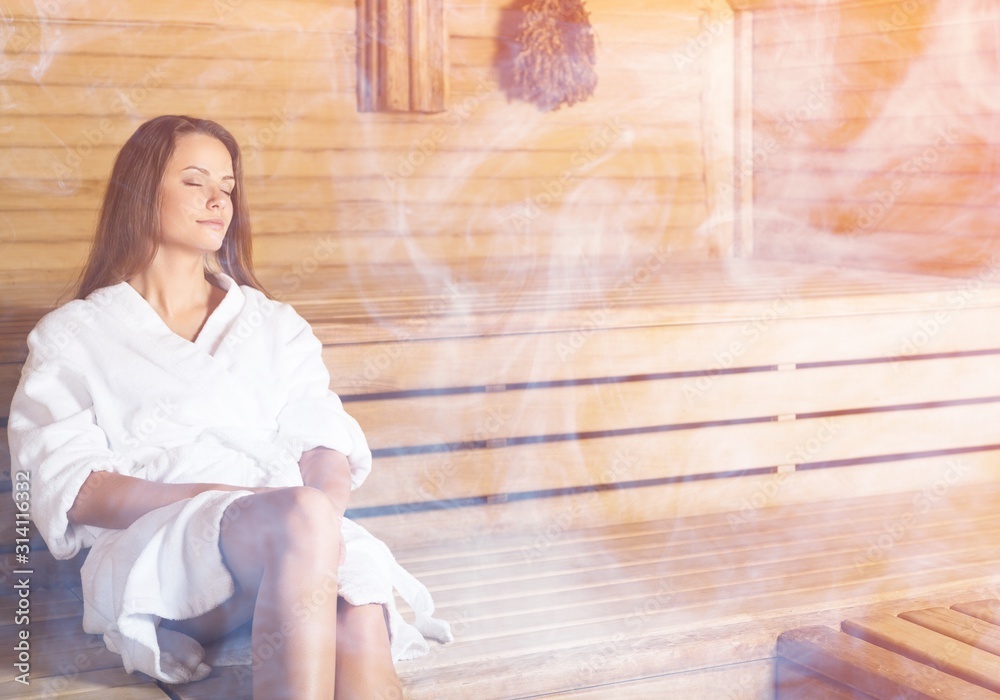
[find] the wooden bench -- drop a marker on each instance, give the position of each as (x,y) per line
(940,653)
(644,476)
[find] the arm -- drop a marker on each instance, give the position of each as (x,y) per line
(330,472)
(313,417)
(115,501)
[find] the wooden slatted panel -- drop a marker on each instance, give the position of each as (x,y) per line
(643,587)
(868,154)
(659,451)
(676,454)
(958,626)
(869,668)
(930,648)
(700,349)
(416,333)
(82,77)
(794,681)
(616,603)
(105,684)
(753,679)
(68,663)
(988,610)
(619,406)
(488,636)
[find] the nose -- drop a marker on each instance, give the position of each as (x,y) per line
(217,200)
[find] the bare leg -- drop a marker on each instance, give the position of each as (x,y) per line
(364,661)
(282,548)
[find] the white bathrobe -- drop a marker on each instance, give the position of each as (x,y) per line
(109,387)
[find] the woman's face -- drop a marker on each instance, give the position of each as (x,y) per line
(196,195)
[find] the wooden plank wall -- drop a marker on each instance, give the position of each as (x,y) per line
(876,140)
(487,183)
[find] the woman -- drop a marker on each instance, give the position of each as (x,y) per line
(179,421)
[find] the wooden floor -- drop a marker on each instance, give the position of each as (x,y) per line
(684,604)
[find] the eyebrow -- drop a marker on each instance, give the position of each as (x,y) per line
(205,172)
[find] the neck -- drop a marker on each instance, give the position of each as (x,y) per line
(173,284)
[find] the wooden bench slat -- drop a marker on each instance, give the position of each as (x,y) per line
(515,635)
(753,313)
(929,647)
(739,502)
(424,420)
(87,684)
(626,657)
(723,592)
(72,651)
(747,680)
(987,610)
(591,568)
(567,525)
(56,604)
(794,681)
(963,628)
(581,322)
(232,683)
(869,668)
(675,454)
(581,352)
(689,599)
(903,520)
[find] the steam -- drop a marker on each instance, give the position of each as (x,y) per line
(874,147)
(880,127)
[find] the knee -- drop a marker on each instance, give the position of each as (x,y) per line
(297,518)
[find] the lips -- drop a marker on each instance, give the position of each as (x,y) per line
(217,224)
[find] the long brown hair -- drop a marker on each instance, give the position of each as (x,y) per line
(128,231)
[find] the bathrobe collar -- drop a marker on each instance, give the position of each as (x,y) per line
(134,310)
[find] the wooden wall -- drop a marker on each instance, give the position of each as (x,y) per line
(876,132)
(488,183)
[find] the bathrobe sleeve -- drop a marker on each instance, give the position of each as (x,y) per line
(314,416)
(54,436)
